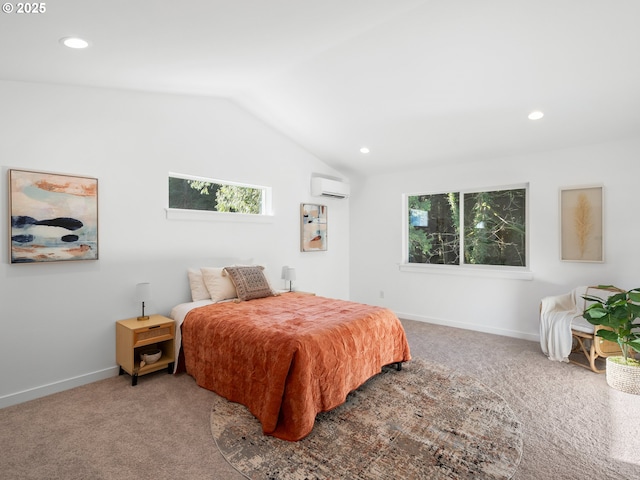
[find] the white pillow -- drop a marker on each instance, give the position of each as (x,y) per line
(198,288)
(219,287)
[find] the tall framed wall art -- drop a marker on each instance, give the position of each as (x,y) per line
(313,227)
(53,217)
(582,224)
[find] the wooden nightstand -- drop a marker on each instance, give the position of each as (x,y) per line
(134,336)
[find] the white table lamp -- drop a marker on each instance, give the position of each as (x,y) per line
(289,275)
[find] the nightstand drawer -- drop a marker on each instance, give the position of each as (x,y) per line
(158,333)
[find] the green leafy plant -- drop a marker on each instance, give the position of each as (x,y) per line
(618,314)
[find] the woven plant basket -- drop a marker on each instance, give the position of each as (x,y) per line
(623,377)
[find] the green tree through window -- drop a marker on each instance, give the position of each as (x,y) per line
(436,240)
(232,198)
(493,225)
(494,228)
(216,196)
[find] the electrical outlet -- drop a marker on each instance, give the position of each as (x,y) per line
(381,293)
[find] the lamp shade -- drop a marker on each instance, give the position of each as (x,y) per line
(291,274)
(288,273)
(143,292)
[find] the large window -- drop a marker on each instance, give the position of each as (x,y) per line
(468,228)
(197,193)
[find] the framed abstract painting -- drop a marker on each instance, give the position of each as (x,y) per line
(54,217)
(581,224)
(313,227)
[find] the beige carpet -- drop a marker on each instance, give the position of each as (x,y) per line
(574,425)
(424,422)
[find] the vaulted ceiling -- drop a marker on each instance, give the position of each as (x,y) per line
(416,81)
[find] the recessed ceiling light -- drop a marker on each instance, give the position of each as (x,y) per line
(364,150)
(74,42)
(536,115)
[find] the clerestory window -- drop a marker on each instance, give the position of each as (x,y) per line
(188,192)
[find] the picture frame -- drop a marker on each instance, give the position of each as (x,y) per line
(313,227)
(52,217)
(582,224)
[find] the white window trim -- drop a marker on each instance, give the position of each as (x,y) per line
(209,215)
(486,271)
(465,269)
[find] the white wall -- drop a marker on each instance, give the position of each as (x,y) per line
(57,319)
(497,305)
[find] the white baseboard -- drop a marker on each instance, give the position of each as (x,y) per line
(44,390)
(472,326)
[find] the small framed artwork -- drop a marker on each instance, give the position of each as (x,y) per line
(54,217)
(581,224)
(313,227)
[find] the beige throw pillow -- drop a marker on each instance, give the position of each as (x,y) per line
(198,288)
(219,287)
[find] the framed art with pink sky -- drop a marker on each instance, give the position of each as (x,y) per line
(54,217)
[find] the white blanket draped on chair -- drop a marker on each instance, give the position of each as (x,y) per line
(556,315)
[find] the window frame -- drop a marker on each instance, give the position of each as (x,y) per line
(265,215)
(468,269)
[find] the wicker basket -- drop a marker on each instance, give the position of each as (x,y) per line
(623,377)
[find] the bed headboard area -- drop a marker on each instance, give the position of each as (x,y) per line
(170,279)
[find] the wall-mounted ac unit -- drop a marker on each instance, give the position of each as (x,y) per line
(325,187)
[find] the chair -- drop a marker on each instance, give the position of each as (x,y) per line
(597,347)
(562,311)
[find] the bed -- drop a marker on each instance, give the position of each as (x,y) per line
(290,356)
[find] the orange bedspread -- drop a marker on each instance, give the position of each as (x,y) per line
(290,357)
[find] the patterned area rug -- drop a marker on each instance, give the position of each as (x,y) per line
(422,422)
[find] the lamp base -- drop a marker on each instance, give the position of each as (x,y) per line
(144,317)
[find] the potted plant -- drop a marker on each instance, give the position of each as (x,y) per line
(618,314)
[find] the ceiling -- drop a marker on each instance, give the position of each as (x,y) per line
(417,81)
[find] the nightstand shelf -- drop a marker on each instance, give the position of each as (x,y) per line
(134,336)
